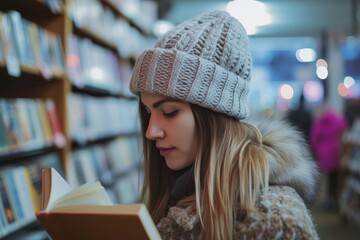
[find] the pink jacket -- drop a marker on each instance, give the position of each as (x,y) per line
(325,139)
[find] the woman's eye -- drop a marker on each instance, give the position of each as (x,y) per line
(170,113)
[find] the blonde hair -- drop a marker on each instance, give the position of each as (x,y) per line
(230,171)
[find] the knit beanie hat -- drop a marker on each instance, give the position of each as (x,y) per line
(204,61)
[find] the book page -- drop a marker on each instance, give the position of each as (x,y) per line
(59,187)
(62,194)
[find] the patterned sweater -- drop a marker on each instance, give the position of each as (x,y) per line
(285,217)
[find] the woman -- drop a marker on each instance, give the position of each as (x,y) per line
(209,174)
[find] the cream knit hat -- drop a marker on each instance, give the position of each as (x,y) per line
(204,61)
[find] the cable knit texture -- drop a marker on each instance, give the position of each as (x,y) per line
(205,61)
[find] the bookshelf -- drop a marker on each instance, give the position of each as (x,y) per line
(350,173)
(70,77)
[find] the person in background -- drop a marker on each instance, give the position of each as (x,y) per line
(301,117)
(209,171)
(325,140)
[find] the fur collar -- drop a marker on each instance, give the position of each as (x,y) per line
(290,160)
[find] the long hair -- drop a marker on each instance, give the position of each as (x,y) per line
(230,171)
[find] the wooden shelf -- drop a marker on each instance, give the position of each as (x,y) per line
(85,33)
(24,154)
(33,84)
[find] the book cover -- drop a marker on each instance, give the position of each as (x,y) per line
(10,53)
(14,196)
(4,136)
(33,31)
(58,137)
(2,57)
(45,56)
(48,135)
(36,126)
(8,124)
(9,211)
(30,52)
(56,53)
(21,38)
(12,124)
(23,120)
(73,62)
(24,192)
(86,212)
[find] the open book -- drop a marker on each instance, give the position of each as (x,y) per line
(87,212)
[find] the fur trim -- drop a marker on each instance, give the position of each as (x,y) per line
(290,160)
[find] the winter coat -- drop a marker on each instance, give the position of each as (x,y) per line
(292,181)
(325,137)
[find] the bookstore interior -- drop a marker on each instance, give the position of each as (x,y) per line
(65,66)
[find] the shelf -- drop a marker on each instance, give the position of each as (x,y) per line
(93,91)
(16,156)
(30,72)
(38,8)
(95,38)
(33,83)
(128,19)
(87,143)
(18,226)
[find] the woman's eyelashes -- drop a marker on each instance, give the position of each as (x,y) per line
(170,113)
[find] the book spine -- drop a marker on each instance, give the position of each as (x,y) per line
(48,136)
(4,135)
(5,200)
(59,139)
(14,195)
(22,117)
(24,193)
(10,54)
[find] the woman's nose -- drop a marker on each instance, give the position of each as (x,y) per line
(154,130)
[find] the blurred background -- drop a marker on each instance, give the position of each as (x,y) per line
(75,57)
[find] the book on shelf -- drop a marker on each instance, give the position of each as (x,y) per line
(86,212)
(1,41)
(4,135)
(10,54)
(20,192)
(21,36)
(8,216)
(58,136)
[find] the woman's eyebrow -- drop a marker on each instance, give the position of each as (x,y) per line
(162,101)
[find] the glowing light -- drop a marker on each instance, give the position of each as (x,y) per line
(322,72)
(313,91)
(160,27)
(286,91)
(97,74)
(342,90)
(72,60)
(349,81)
(244,10)
(130,8)
(283,105)
(321,63)
(305,55)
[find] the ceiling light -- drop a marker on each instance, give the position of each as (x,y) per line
(161,26)
(250,13)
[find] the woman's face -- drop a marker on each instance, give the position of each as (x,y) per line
(172,126)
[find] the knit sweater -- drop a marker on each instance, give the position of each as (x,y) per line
(281,213)
(286,217)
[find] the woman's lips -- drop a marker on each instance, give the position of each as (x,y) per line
(166,151)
